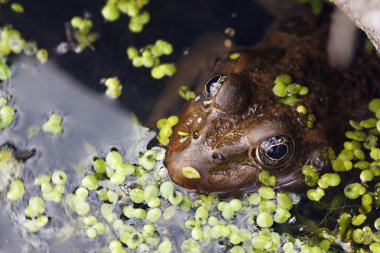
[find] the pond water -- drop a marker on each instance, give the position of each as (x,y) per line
(69,84)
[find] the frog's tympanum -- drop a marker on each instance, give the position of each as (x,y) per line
(237,127)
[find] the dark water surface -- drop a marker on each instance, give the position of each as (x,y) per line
(69,85)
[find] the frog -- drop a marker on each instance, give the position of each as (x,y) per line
(236,127)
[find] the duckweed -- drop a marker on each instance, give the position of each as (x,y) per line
(289,93)
(137,195)
(361,165)
(279,90)
(302,109)
(186,93)
(83,36)
(310,120)
(281,215)
(354,191)
(283,79)
(366,175)
(190,246)
(42,55)
(114,87)
(100,166)
(59,177)
(230,31)
(53,125)
(165,246)
(117,179)
(266,192)
(329,179)
(50,193)
(110,12)
(377,224)
(90,182)
(16,190)
(7,114)
(115,246)
(165,126)
(176,198)
(375,247)
(303,91)
(35,208)
(11,41)
(190,172)
(33,131)
(147,160)
(234,56)
(114,159)
(261,242)
(358,220)
(36,224)
(82,207)
(16,7)
(169,212)
(374,105)
(266,178)
(162,70)
(154,215)
(113,9)
(150,58)
(264,220)
(5,73)
(91,233)
(315,194)
(311,175)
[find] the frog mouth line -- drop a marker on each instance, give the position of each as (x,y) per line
(292,180)
(221,169)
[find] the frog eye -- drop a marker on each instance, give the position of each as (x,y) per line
(213,85)
(275,151)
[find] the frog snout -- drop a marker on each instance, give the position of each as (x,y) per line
(213,174)
(178,162)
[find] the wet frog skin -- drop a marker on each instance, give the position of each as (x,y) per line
(237,128)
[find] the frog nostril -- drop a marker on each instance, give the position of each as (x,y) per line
(218,156)
(196,134)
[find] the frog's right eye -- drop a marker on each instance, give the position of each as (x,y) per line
(213,85)
(275,151)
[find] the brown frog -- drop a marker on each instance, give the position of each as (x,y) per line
(237,127)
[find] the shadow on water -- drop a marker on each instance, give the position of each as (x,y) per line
(69,84)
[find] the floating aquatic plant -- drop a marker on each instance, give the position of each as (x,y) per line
(84,37)
(133,8)
(150,58)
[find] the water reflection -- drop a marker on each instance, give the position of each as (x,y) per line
(91,121)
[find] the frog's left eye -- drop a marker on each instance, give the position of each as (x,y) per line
(275,151)
(213,85)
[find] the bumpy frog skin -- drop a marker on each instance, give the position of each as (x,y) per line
(236,124)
